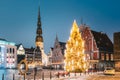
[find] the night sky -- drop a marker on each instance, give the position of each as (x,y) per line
(18,19)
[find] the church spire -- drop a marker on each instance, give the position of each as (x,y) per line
(39,18)
(39,38)
(56,38)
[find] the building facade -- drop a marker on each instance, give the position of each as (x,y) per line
(50,57)
(58,54)
(99,48)
(117,50)
(8,54)
(33,57)
(20,53)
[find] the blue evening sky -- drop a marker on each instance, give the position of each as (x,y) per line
(18,19)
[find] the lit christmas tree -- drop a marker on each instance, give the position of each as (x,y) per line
(75,59)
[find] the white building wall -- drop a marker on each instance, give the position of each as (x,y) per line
(7,59)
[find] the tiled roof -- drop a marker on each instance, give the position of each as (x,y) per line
(103,42)
(18,45)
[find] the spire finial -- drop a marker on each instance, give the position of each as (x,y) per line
(39,18)
(56,37)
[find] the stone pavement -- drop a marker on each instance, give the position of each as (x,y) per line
(72,76)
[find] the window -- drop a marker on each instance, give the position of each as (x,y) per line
(107,57)
(102,56)
(111,57)
(95,56)
(13,50)
(10,50)
(7,50)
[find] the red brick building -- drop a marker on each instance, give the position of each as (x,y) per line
(99,48)
(117,50)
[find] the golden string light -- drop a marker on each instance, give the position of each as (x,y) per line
(75,58)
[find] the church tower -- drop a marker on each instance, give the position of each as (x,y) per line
(39,38)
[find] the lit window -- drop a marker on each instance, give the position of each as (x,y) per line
(107,57)
(111,57)
(102,56)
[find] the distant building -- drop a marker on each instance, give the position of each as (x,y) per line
(39,40)
(58,54)
(117,50)
(8,55)
(99,48)
(33,55)
(50,57)
(20,53)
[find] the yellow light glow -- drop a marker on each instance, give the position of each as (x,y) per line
(75,60)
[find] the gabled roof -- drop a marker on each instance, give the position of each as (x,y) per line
(63,47)
(3,39)
(18,45)
(102,41)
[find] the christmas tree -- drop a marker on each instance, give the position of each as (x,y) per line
(75,59)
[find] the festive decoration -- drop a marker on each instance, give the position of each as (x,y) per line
(22,72)
(75,59)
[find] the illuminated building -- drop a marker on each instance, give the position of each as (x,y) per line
(50,57)
(117,50)
(8,56)
(20,53)
(33,56)
(39,40)
(99,48)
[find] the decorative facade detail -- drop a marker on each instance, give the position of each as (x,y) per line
(33,56)
(98,46)
(58,54)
